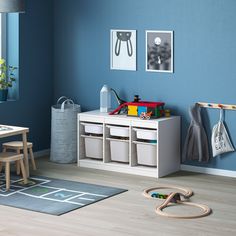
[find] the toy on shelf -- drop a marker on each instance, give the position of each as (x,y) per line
(167,113)
(141,109)
(120,102)
(136,98)
(145,115)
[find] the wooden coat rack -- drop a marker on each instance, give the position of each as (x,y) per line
(217,105)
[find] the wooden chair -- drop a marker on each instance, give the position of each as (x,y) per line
(7,158)
(18,147)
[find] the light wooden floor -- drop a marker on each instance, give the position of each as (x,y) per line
(128,213)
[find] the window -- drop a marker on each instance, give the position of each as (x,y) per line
(9,47)
(3,35)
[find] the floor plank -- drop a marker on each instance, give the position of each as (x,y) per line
(128,213)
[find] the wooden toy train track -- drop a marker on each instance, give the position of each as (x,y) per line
(175,198)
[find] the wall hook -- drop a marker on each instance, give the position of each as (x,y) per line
(217,105)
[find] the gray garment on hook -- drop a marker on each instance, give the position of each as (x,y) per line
(196,143)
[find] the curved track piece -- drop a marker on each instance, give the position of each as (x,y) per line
(186,193)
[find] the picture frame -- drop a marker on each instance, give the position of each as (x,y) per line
(159,51)
(123,49)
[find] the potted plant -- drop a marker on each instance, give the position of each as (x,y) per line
(7,77)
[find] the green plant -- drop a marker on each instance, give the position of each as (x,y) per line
(7,76)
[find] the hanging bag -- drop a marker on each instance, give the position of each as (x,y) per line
(220,140)
(64,131)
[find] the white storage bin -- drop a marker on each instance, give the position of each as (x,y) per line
(146,134)
(93,147)
(146,154)
(119,150)
(93,128)
(119,131)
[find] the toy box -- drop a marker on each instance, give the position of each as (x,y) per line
(155,109)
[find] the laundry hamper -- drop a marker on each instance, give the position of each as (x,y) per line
(64,131)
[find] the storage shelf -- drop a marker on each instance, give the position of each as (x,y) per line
(166,151)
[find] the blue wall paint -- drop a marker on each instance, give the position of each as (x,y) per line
(204,55)
(35,71)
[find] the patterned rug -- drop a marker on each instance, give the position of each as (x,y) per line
(52,196)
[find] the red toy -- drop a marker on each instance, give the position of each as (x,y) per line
(156,109)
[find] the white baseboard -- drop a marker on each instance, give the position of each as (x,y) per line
(210,171)
(45,152)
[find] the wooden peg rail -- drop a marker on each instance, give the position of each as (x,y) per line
(217,105)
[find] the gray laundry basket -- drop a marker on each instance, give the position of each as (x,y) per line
(64,131)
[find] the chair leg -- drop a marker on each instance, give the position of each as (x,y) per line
(3,150)
(22,166)
(32,158)
(17,167)
(18,164)
(7,175)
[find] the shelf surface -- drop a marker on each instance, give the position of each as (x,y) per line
(125,117)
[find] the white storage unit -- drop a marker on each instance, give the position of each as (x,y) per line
(141,157)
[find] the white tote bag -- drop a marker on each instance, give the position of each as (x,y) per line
(220,140)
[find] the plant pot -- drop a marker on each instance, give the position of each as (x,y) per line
(3,94)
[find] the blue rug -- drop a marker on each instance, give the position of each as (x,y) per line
(52,196)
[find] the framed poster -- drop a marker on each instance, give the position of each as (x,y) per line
(123,49)
(159,51)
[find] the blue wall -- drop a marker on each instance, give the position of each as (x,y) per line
(204,55)
(35,71)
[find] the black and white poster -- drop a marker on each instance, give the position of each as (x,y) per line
(123,49)
(159,51)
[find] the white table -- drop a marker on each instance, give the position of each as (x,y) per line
(7,131)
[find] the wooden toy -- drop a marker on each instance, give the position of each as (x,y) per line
(145,115)
(175,197)
(165,196)
(167,113)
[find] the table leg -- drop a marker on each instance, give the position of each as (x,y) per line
(26,160)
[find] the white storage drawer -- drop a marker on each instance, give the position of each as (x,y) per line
(93,128)
(93,147)
(146,154)
(119,150)
(147,134)
(118,131)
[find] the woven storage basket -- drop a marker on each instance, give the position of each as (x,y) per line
(64,131)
